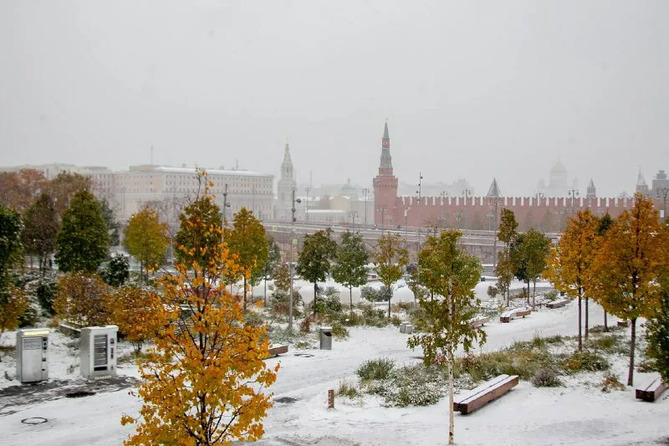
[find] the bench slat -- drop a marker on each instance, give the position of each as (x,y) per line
(498,384)
(480,388)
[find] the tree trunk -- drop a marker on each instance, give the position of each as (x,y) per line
(389,299)
(534,293)
(630,376)
(244,292)
(350,297)
(580,341)
(315,296)
(587,312)
(606,324)
(264,299)
(528,292)
(451,414)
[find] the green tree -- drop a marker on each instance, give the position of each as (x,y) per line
(64,187)
(348,268)
(117,271)
(605,222)
(529,253)
(145,238)
(112,224)
(82,243)
(41,228)
(657,336)
(629,266)
(451,274)
(570,264)
(507,233)
(273,260)
(391,258)
(313,262)
(248,241)
(204,383)
(13,302)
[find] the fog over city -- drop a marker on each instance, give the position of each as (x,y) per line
(471,90)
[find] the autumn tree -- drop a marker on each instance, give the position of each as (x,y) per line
(137,312)
(570,264)
(390,258)
(146,239)
(204,382)
(450,274)
(80,299)
(657,336)
(82,243)
(41,228)
(348,268)
(314,260)
(605,222)
(19,189)
(507,233)
(248,241)
(629,265)
(64,187)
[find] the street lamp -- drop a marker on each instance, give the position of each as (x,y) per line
(306,203)
(467,193)
(662,193)
(382,209)
(292,242)
(365,192)
(225,205)
(573,194)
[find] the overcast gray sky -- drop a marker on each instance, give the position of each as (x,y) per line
(471,90)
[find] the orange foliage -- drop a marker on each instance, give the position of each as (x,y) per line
(137,313)
(204,380)
(80,299)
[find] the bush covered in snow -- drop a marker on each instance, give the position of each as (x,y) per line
(546,378)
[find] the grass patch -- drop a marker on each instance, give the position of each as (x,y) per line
(523,361)
(347,390)
(375,369)
(613,344)
(585,361)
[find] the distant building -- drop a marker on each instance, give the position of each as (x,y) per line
(285,188)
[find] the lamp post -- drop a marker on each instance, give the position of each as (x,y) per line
(225,205)
(467,193)
(419,192)
(365,191)
(353,214)
(306,203)
(292,242)
(573,194)
(662,193)
(382,209)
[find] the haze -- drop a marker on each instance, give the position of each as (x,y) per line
(471,90)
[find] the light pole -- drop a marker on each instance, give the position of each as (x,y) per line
(365,191)
(406,222)
(573,194)
(306,203)
(292,242)
(419,192)
(662,193)
(353,214)
(467,193)
(225,205)
(382,209)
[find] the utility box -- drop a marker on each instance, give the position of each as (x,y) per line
(326,338)
(98,351)
(32,362)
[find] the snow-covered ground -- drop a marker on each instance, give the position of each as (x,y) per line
(578,414)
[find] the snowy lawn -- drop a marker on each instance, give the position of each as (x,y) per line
(579,413)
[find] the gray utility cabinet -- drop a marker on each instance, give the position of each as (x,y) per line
(98,351)
(326,338)
(32,361)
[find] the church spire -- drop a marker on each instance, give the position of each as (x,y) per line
(386,163)
(287,164)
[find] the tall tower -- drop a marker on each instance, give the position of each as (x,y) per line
(641,185)
(285,187)
(385,185)
(591,192)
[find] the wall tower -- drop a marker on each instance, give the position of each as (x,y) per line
(385,186)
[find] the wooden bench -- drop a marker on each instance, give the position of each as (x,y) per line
(623,323)
(478,322)
(557,303)
(483,394)
(651,391)
(513,314)
(276,350)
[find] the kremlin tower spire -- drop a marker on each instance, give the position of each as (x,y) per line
(385,186)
